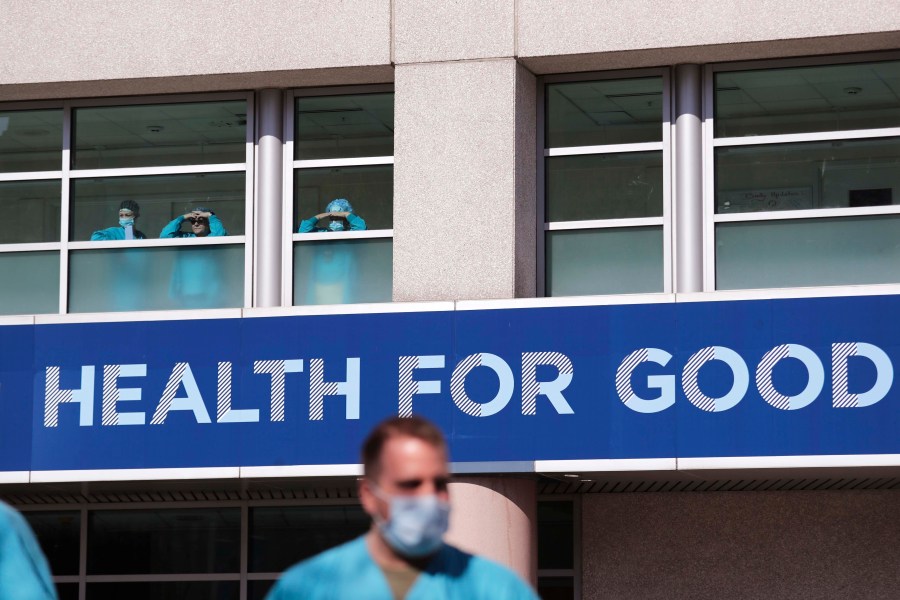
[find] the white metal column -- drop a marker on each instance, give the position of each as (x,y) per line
(688,180)
(269,222)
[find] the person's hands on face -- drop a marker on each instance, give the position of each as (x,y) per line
(199,222)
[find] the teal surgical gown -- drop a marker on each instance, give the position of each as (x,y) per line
(348,572)
(24,574)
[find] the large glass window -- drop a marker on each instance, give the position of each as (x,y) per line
(342,175)
(806,179)
(606,186)
(97,201)
(557,573)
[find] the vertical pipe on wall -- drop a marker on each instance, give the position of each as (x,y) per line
(688,180)
(269,222)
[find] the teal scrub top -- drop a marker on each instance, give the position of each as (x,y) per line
(348,572)
(24,574)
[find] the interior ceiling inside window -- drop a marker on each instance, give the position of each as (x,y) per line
(806,89)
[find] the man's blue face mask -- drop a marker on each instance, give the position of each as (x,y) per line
(337,225)
(416,524)
(125,222)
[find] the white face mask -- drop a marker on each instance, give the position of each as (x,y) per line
(416,525)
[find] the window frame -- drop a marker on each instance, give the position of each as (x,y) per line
(664,145)
(290,235)
(66,175)
(711,143)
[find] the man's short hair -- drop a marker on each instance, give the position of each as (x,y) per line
(414,426)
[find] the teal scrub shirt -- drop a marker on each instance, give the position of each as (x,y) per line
(24,574)
(348,572)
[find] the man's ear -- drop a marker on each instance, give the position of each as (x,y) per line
(367,497)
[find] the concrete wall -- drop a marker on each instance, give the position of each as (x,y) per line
(773,545)
(97,47)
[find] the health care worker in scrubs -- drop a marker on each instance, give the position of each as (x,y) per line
(127,269)
(24,574)
(403,556)
(330,267)
(197,275)
(129,211)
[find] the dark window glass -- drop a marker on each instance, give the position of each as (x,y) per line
(556,588)
(163,541)
(806,99)
(808,175)
(344,126)
(58,533)
(370,191)
(556,541)
(592,113)
(604,186)
(161,198)
(257,590)
(67,591)
(31,140)
(29,211)
(196,133)
(282,536)
(174,590)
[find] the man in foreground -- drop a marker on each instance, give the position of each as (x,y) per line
(24,574)
(403,556)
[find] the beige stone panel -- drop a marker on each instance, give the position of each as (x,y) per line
(462,29)
(464,164)
(653,57)
(496,517)
(773,545)
(200,83)
(89,40)
(547,28)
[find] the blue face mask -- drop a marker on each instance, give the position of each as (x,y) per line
(126,222)
(416,525)
(336,226)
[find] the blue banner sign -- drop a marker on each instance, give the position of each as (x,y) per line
(749,378)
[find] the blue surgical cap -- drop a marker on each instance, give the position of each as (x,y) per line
(339,205)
